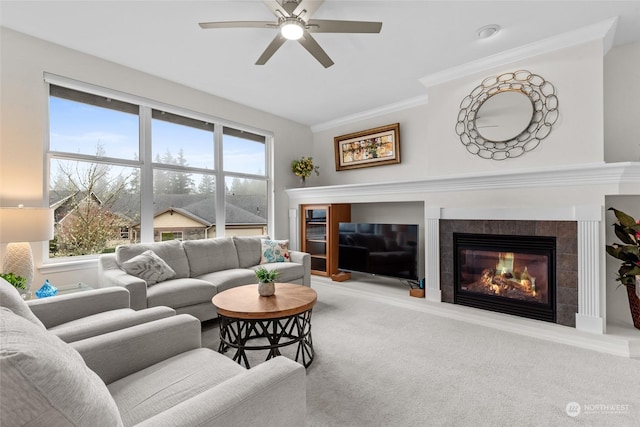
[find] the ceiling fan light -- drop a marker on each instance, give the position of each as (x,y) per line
(292,30)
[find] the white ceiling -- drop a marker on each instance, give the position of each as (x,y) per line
(418,39)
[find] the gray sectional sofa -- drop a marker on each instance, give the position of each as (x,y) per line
(151,374)
(202,268)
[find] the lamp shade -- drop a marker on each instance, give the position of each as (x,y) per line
(26,224)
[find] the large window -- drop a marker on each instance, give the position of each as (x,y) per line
(121,171)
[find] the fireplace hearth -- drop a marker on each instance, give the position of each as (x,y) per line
(504,273)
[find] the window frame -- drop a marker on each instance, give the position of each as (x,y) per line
(145,161)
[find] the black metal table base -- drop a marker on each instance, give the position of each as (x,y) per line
(281,332)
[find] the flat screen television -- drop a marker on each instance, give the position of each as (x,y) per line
(383,249)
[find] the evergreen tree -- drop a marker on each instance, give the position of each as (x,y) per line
(207,185)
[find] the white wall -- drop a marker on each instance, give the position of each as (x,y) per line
(431,148)
(23,116)
(621,111)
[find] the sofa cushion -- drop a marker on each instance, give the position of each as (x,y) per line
(274,251)
(162,386)
(227,279)
(149,267)
(207,255)
(180,293)
(171,252)
(11,299)
(46,382)
(249,250)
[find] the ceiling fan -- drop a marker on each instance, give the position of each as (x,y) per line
(294,23)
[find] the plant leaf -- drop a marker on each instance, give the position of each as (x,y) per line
(629,271)
(624,219)
(623,235)
(614,251)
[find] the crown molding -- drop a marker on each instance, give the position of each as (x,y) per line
(604,30)
(390,108)
(622,176)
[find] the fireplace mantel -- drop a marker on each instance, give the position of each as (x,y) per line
(622,178)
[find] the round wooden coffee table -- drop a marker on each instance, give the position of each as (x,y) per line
(283,319)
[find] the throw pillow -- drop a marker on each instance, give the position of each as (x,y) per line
(46,382)
(274,251)
(149,267)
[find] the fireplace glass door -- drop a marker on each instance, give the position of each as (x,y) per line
(515,275)
(509,274)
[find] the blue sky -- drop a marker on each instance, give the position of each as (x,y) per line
(80,128)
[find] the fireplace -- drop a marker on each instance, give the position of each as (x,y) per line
(505,273)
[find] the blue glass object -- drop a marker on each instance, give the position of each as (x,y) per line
(46,290)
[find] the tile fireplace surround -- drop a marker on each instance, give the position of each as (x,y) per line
(566,234)
(582,306)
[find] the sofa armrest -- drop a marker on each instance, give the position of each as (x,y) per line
(110,274)
(304,259)
(270,394)
(86,329)
(120,353)
(65,308)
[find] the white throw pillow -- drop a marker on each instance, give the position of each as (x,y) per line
(274,251)
(149,267)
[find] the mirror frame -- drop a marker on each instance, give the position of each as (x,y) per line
(542,95)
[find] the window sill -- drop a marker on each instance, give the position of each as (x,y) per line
(68,265)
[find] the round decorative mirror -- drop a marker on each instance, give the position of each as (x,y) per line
(507,115)
(504,116)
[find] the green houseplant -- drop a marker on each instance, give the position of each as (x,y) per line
(266,279)
(627,230)
(18,282)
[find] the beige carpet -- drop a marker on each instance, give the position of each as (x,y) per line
(378,364)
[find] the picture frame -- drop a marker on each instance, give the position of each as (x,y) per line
(372,147)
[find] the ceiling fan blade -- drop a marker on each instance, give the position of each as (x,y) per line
(276,8)
(238,24)
(289,6)
(331,26)
(314,49)
(306,8)
(271,49)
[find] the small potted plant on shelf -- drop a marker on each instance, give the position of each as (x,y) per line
(627,230)
(266,279)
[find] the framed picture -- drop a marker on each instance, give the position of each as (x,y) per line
(373,147)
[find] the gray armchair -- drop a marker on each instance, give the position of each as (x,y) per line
(152,374)
(81,315)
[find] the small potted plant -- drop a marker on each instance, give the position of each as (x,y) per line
(266,279)
(627,230)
